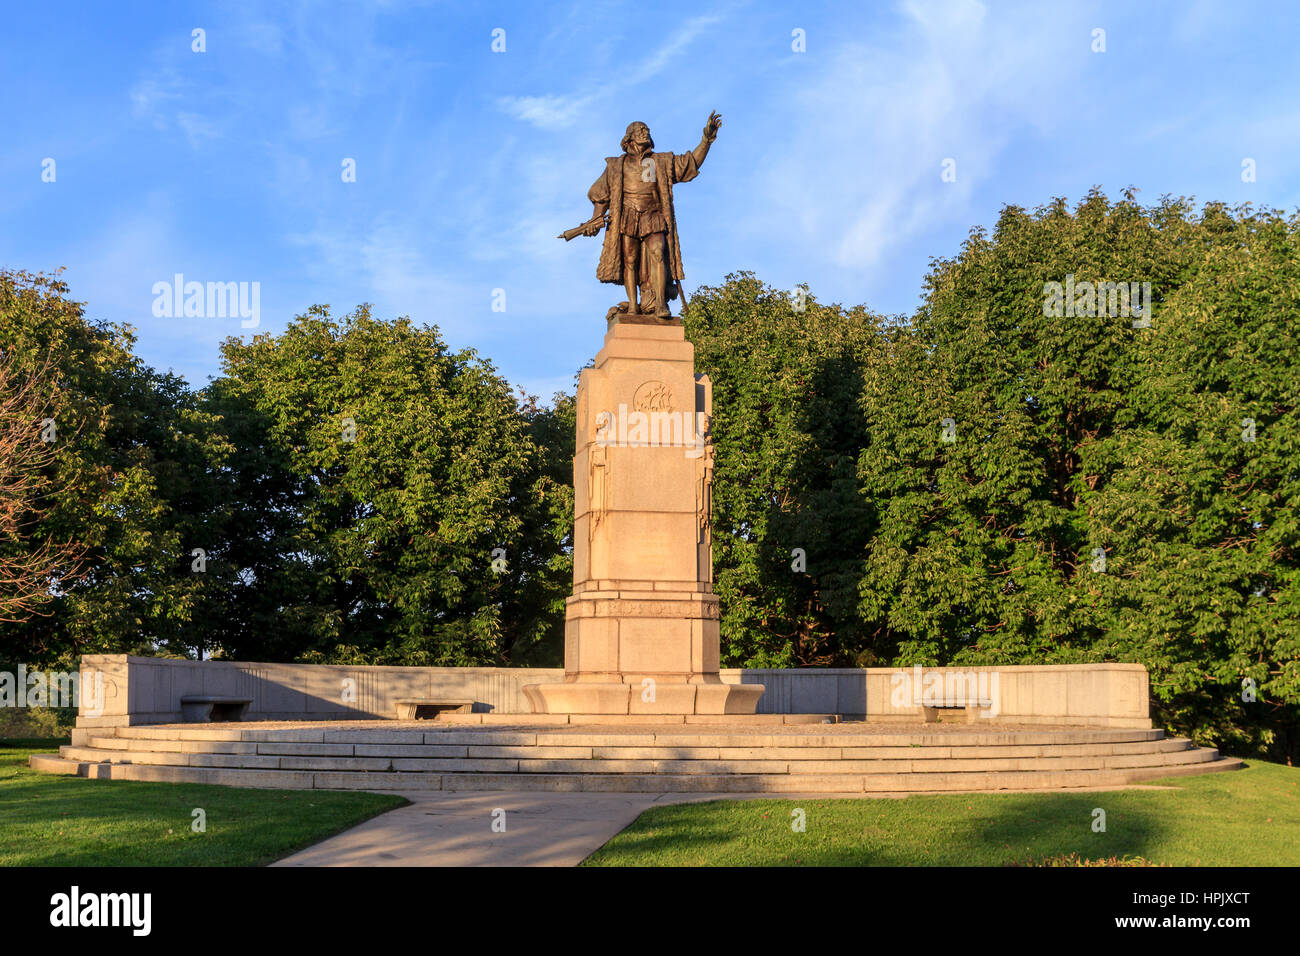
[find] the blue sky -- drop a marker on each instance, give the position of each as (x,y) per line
(225,165)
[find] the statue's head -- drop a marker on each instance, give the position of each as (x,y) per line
(638,137)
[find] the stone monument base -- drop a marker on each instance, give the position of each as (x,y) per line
(630,649)
(580,696)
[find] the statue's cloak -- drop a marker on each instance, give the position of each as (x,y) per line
(670,169)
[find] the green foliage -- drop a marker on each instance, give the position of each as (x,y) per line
(36,722)
(374,476)
(1072,436)
(375,550)
(129,478)
(787,432)
(1075,433)
(852,527)
(1243,818)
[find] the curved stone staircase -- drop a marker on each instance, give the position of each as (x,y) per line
(736,756)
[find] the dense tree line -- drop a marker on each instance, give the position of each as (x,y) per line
(1001,479)
(348,490)
(1037,466)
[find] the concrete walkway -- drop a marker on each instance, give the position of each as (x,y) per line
(441,828)
(455,829)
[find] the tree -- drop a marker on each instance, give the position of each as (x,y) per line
(385,501)
(124,477)
(29,576)
(1070,485)
(1008,478)
(789,525)
(1201,491)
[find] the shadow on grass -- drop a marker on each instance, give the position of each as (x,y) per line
(921,830)
(1024,828)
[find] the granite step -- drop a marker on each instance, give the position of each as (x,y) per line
(621,737)
(539,763)
(723,757)
(637,782)
(551,748)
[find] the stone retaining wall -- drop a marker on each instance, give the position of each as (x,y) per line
(147,690)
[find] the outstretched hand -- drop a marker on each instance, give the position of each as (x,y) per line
(711,127)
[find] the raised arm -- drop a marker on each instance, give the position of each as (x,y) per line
(710,134)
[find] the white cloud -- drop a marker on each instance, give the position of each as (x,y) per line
(152,97)
(157,99)
(545,112)
(861,169)
(197,128)
(390,265)
(660,59)
(553,111)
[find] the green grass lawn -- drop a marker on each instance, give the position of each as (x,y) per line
(52,820)
(1247,817)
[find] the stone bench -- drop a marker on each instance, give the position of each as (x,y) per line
(967,707)
(423,708)
(198,709)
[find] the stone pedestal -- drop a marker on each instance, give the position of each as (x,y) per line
(641,628)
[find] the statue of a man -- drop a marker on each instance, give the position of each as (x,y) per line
(634,198)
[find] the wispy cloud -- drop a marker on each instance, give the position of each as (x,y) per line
(197,128)
(828,169)
(671,51)
(167,100)
(153,97)
(545,112)
(389,264)
(876,120)
(558,111)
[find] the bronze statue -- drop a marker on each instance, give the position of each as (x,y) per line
(634,198)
